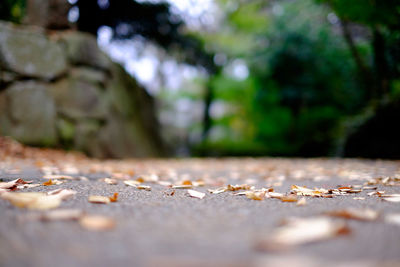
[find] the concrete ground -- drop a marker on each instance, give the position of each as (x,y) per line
(156,228)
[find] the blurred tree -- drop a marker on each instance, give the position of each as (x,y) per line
(12,10)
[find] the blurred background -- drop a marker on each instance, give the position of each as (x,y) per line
(302,78)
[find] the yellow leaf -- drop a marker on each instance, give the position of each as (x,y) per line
(114,198)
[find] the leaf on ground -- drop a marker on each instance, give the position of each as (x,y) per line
(196,194)
(274,195)
(62,214)
(218,190)
(255,195)
(304,191)
(186,182)
(359,198)
(38,200)
(355,214)
(13,184)
(391,197)
(110,181)
(182,186)
(144,187)
(238,187)
(52,182)
(131,183)
(289,198)
(114,198)
(97,223)
(99,199)
(199,183)
(298,231)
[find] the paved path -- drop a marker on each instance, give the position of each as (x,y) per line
(158,228)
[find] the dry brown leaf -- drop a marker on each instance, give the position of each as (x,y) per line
(144,187)
(289,198)
(199,183)
(238,187)
(52,182)
(304,191)
(110,181)
(301,202)
(152,178)
(23,186)
(186,182)
(97,223)
(298,231)
(13,184)
(392,198)
(99,199)
(131,183)
(114,198)
(255,195)
(182,186)
(355,214)
(38,200)
(62,214)
(274,195)
(218,190)
(196,194)
(140,180)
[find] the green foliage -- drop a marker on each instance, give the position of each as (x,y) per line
(12,10)
(302,83)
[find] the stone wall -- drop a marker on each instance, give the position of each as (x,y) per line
(58,89)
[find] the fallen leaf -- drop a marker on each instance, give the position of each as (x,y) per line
(392,198)
(274,195)
(255,195)
(182,186)
(355,214)
(186,182)
(304,191)
(13,184)
(38,200)
(359,198)
(218,190)
(49,182)
(144,187)
(298,231)
(196,194)
(52,182)
(238,187)
(23,186)
(114,198)
(110,181)
(289,198)
(99,199)
(199,183)
(97,223)
(131,183)
(140,180)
